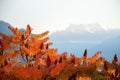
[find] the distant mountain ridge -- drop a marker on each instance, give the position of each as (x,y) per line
(4,27)
(76,38)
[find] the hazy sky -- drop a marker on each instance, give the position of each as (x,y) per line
(58,14)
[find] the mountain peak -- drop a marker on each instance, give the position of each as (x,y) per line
(89,28)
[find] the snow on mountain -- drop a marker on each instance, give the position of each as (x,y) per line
(83,33)
(88,28)
(76,38)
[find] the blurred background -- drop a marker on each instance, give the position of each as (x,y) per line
(74,25)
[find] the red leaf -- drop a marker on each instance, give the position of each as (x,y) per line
(42,46)
(85,53)
(60,60)
(115,58)
(106,65)
(48,61)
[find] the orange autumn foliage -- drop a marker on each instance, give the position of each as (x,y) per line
(27,56)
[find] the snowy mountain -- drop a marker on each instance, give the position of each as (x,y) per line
(88,28)
(76,38)
(83,33)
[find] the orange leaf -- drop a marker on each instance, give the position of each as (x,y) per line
(28,30)
(5,44)
(40,35)
(6,36)
(15,39)
(93,58)
(15,31)
(56,69)
(12,55)
(23,48)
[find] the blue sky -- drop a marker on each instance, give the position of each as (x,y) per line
(55,15)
